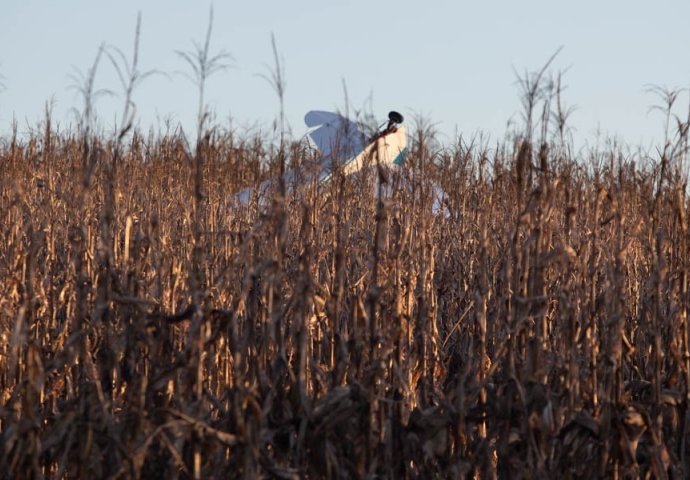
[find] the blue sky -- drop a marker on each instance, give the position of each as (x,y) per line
(450,61)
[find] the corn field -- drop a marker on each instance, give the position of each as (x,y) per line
(529,322)
(153,329)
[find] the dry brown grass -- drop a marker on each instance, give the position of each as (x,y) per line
(152,330)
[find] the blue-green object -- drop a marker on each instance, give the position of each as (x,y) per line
(402,156)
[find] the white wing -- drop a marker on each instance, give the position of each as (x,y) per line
(339,140)
(337,137)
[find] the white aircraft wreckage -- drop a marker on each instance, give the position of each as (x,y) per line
(345,148)
(342,146)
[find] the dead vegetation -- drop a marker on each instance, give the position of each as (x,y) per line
(536,328)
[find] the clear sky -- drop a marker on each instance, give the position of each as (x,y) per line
(450,61)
